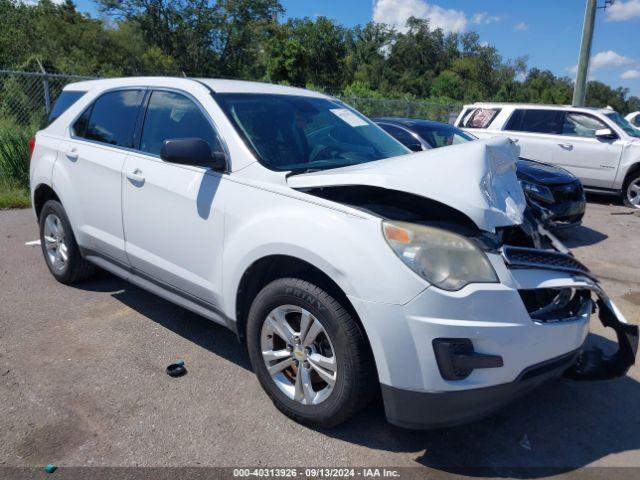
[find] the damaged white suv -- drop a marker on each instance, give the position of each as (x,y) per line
(345,262)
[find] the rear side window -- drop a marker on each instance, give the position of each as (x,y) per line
(480,117)
(536,121)
(64,101)
(111,118)
(172,115)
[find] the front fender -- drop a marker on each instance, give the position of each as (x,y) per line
(349,249)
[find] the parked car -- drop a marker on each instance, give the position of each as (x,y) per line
(634,119)
(597,145)
(346,264)
(555,196)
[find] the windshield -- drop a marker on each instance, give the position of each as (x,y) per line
(442,135)
(623,124)
(296,133)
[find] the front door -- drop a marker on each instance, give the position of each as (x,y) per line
(173,214)
(593,160)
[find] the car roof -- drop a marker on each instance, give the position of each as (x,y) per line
(538,106)
(217,85)
(411,122)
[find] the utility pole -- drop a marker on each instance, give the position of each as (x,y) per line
(580,90)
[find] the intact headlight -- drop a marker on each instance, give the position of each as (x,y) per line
(537,192)
(442,258)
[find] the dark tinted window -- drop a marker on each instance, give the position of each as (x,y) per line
(536,121)
(172,115)
(64,101)
(111,119)
(400,134)
(636,120)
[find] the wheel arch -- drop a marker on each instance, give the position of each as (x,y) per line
(41,195)
(272,267)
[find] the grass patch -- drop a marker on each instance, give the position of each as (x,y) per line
(14,197)
(14,166)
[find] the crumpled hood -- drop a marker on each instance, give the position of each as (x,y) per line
(477,178)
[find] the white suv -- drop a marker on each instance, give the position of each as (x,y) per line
(346,263)
(598,146)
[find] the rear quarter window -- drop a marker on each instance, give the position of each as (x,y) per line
(64,101)
(480,117)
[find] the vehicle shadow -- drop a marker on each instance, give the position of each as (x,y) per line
(580,236)
(558,428)
(603,199)
(215,338)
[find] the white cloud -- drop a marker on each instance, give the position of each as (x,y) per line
(483,18)
(609,59)
(397,12)
(623,10)
(606,59)
(630,75)
(521,27)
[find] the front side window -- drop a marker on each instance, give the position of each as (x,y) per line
(616,118)
(581,125)
(289,132)
(111,118)
(173,115)
(536,121)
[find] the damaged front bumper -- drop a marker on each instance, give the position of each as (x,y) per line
(591,364)
(478,349)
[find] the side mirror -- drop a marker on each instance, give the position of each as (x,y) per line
(415,147)
(192,151)
(606,134)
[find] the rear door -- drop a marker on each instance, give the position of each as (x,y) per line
(91,162)
(173,214)
(593,160)
(535,131)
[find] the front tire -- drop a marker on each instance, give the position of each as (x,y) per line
(308,353)
(631,191)
(59,246)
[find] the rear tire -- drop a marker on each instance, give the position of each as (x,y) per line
(59,247)
(631,191)
(329,355)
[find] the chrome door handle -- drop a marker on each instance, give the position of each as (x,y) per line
(566,146)
(136,176)
(72,154)
(515,140)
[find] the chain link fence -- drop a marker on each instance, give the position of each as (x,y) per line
(27,97)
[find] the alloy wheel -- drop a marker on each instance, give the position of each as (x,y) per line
(55,243)
(633,193)
(298,354)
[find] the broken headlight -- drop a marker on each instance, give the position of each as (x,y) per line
(445,259)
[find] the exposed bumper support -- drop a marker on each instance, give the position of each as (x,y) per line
(592,364)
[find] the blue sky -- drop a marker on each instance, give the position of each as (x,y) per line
(547,31)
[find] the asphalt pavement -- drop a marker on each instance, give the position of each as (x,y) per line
(83,383)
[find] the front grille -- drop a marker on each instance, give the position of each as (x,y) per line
(567,193)
(518,257)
